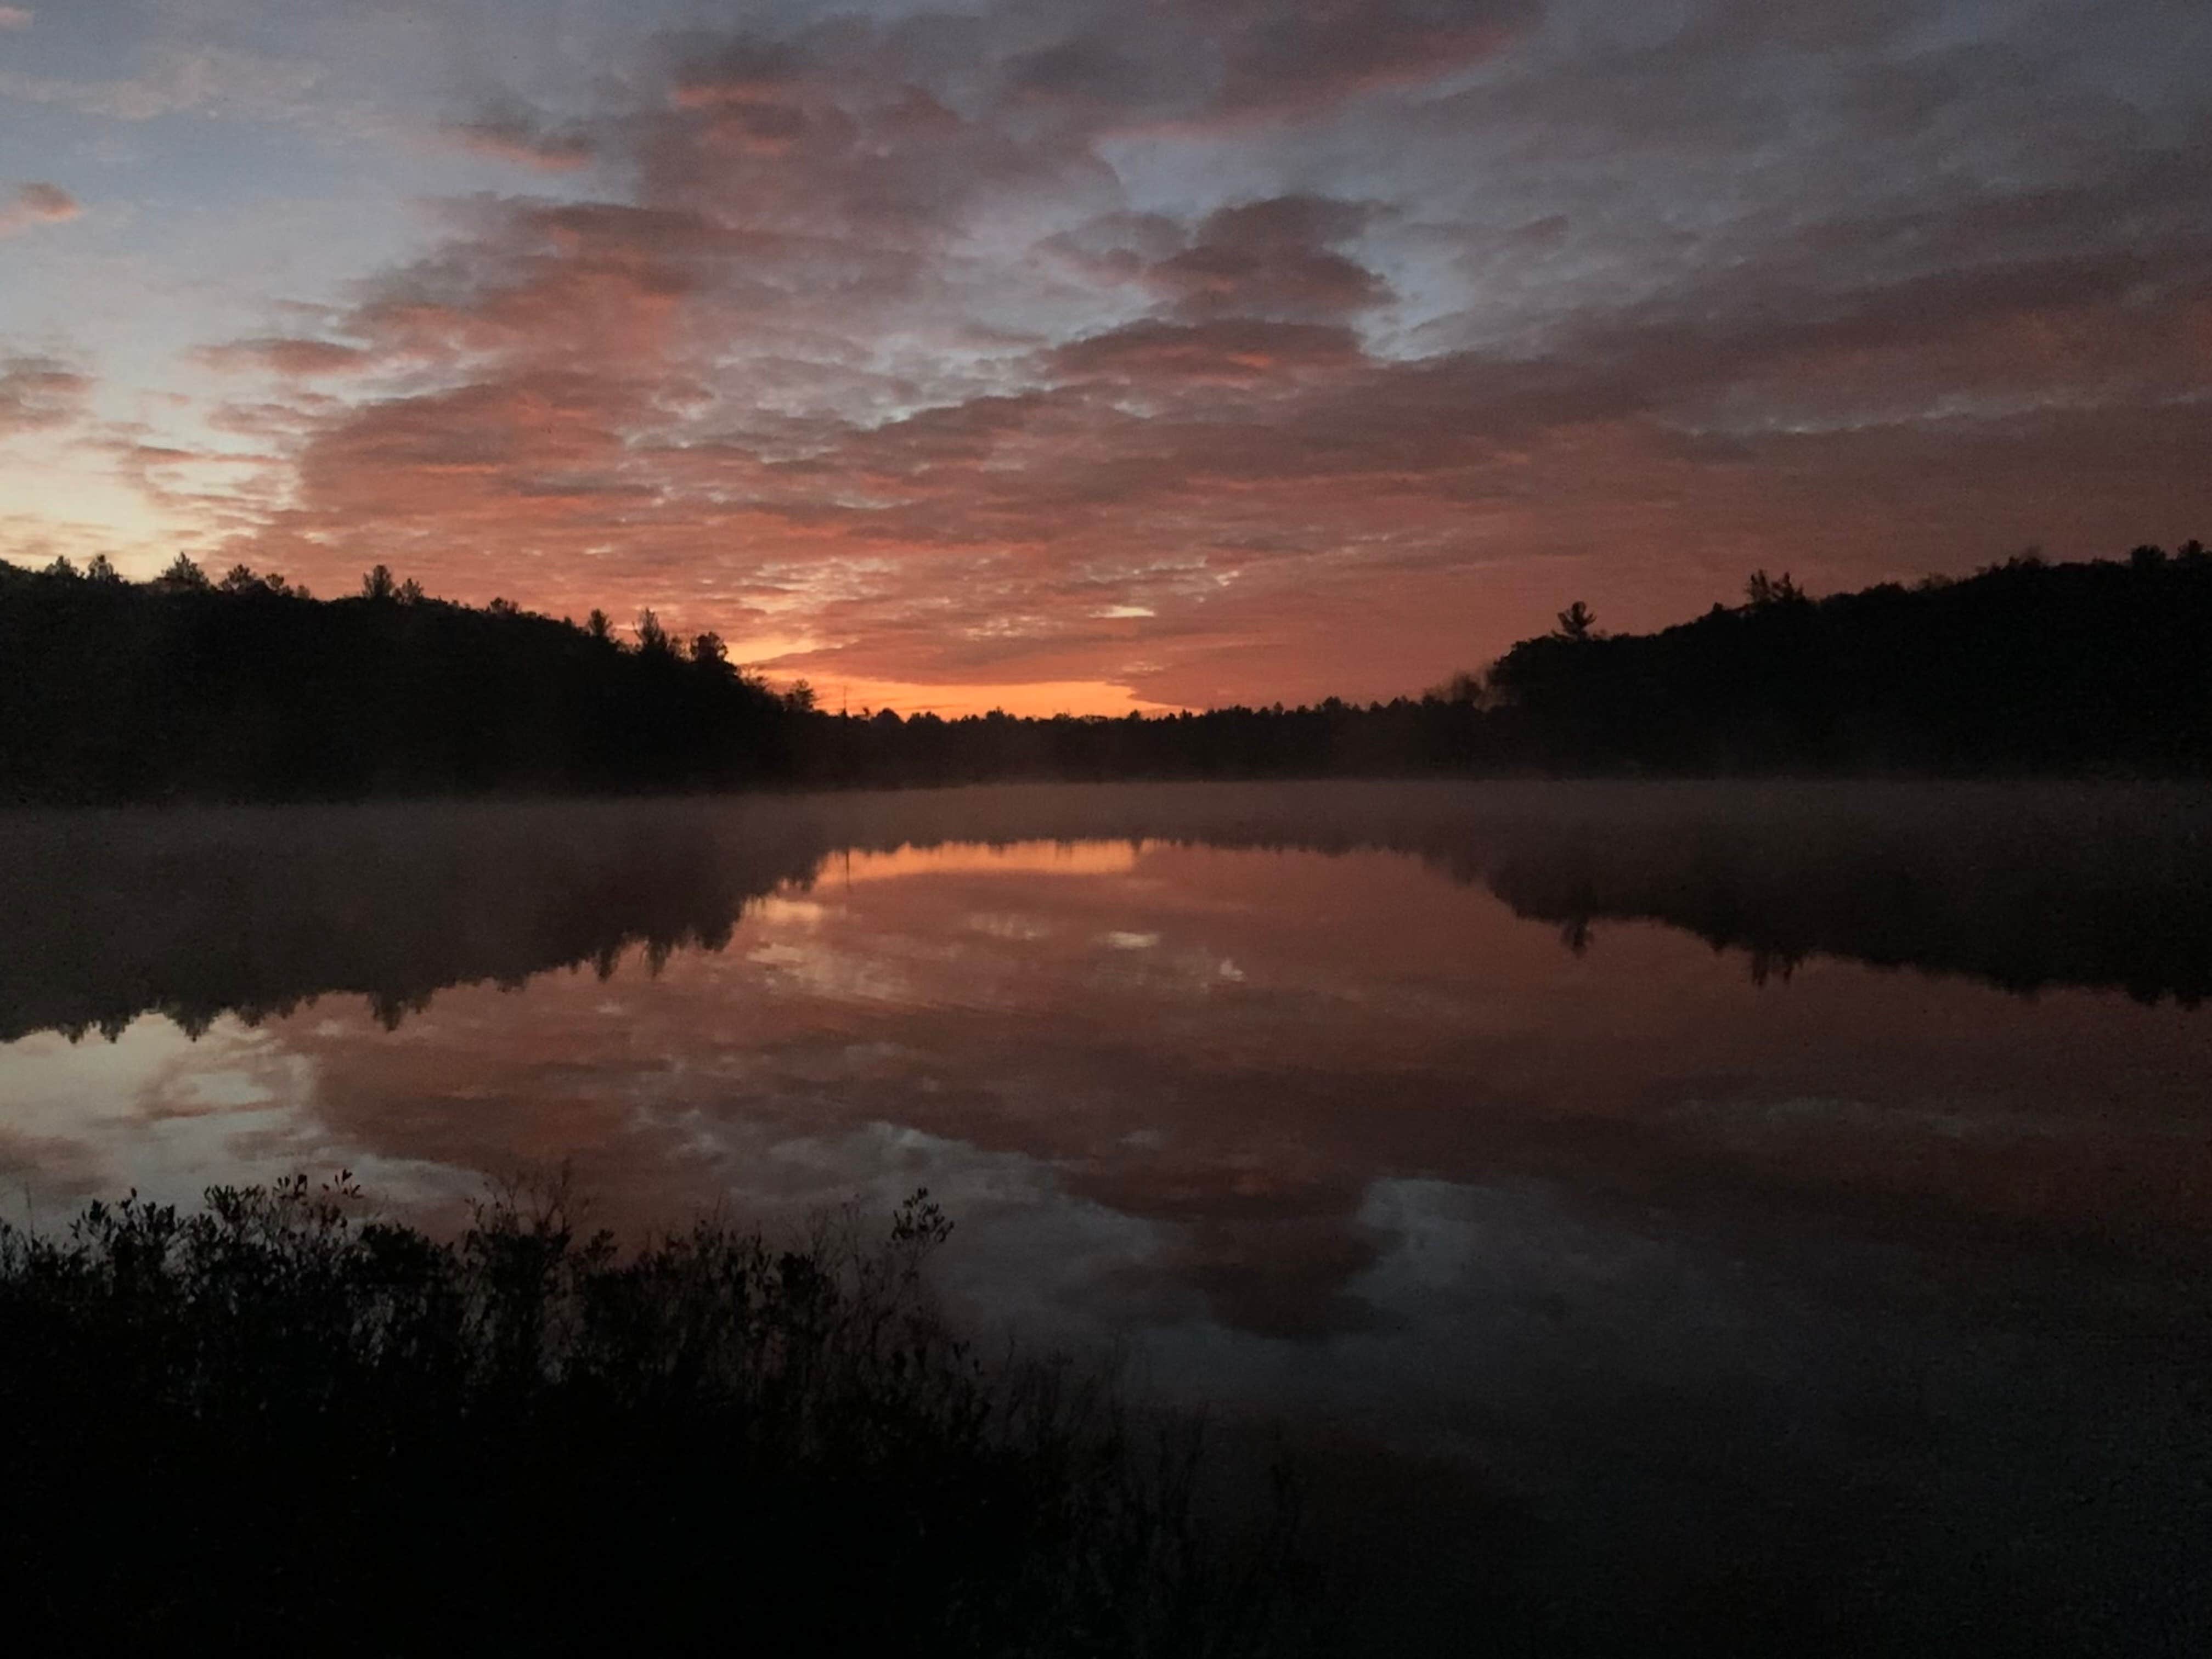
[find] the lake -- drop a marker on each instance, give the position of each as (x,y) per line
(1796,1195)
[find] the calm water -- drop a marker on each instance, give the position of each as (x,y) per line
(1709,1177)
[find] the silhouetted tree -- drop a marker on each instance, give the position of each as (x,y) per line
(708,651)
(101,570)
(1762,590)
(183,575)
(599,626)
(652,638)
(1578,621)
(379,586)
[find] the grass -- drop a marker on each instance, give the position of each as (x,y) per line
(280,1421)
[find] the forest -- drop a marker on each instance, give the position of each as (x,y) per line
(249,688)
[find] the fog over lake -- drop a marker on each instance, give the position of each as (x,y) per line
(1720,1171)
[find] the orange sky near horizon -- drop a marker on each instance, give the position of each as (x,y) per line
(1042,699)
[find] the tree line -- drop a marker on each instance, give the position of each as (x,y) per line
(249,688)
(2027,666)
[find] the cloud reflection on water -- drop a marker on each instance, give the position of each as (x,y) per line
(1232,1046)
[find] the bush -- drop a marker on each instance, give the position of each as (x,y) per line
(276,1420)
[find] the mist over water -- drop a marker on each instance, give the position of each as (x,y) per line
(1726,1173)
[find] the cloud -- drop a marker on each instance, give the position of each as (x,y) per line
(1274,257)
(1194,64)
(17,17)
(287,356)
(1235,350)
(1231,352)
(198,79)
(37,204)
(1278,58)
(40,393)
(516,136)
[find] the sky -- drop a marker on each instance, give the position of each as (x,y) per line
(1100,355)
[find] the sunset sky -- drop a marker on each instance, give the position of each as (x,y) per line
(1069,354)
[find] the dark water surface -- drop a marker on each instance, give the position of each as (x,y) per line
(1788,1202)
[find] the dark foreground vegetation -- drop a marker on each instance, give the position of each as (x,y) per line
(274,1424)
(249,690)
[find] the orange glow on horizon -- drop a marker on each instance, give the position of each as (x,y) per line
(1041,698)
(1028,858)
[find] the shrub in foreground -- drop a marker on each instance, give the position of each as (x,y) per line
(274,1422)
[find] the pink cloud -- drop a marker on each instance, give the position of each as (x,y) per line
(287,356)
(39,392)
(36,204)
(866,351)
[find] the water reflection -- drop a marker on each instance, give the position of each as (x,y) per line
(1231,1043)
(105,916)
(1595,1142)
